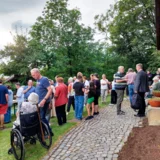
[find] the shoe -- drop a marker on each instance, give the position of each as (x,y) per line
(121,113)
(52,134)
(88,118)
(95,113)
(139,115)
(91,117)
(2,128)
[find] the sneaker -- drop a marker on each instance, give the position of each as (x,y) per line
(91,117)
(121,113)
(88,118)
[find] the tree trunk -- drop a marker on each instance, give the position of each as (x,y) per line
(157,2)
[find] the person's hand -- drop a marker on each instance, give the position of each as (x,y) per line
(41,104)
(29,87)
(135,91)
(50,105)
(15,96)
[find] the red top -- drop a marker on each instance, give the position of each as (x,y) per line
(61,93)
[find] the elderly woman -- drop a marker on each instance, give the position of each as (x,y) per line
(71,94)
(61,101)
(156,84)
(104,88)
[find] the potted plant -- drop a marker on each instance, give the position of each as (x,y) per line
(156,93)
(154,102)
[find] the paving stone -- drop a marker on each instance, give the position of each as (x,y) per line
(98,139)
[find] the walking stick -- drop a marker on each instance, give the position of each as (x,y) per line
(42,133)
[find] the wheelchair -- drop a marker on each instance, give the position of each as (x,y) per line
(30,130)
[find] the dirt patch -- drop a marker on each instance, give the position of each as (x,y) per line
(143,144)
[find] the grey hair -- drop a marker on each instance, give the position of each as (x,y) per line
(140,65)
(120,67)
(35,70)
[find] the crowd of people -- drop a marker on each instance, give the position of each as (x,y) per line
(78,92)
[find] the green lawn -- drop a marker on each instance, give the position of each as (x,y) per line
(36,152)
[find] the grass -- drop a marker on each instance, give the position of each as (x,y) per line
(36,152)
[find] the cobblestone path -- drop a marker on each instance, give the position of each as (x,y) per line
(98,139)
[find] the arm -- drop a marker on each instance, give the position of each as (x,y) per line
(6,95)
(56,93)
(137,83)
(46,96)
(27,89)
(119,81)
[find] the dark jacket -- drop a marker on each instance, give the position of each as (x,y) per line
(141,82)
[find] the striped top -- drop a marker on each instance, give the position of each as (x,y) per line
(120,85)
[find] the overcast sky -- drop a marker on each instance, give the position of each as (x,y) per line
(24,13)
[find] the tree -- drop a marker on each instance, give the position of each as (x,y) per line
(130,26)
(66,44)
(16,57)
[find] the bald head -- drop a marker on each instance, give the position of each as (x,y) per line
(30,83)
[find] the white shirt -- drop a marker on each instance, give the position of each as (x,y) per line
(105,84)
(20,95)
(86,84)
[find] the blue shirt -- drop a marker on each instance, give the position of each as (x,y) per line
(10,98)
(41,88)
(26,95)
(3,92)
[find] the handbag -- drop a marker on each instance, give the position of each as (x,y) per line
(136,101)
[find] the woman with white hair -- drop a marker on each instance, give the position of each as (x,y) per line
(70,95)
(156,83)
(27,107)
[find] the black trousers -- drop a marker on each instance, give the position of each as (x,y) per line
(113,97)
(70,102)
(61,114)
(143,106)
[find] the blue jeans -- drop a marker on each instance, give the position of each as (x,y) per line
(131,91)
(79,103)
(43,111)
(7,116)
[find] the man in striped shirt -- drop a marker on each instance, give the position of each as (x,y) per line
(120,85)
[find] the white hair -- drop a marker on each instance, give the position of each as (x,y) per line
(120,67)
(35,70)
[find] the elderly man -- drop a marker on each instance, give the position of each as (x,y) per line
(44,91)
(120,85)
(3,103)
(141,87)
(27,90)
